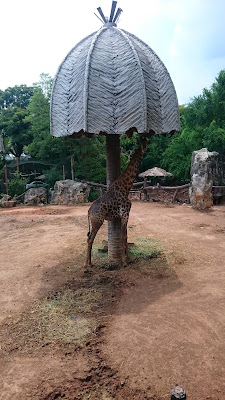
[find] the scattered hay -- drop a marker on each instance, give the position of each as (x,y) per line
(65,318)
(102,394)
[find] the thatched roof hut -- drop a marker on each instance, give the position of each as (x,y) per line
(112,82)
(157,172)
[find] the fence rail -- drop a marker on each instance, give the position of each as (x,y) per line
(145,189)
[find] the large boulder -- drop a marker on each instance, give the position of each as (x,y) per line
(36,196)
(69,192)
(7,202)
(203,164)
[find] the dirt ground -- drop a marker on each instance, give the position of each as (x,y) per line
(128,333)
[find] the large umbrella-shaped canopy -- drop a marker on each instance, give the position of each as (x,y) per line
(111,82)
(155,172)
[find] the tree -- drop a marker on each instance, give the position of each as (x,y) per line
(60,150)
(15,129)
(45,84)
(17,96)
(154,154)
(177,156)
(214,138)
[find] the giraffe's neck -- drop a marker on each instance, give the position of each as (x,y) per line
(126,179)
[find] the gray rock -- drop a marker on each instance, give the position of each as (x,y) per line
(36,196)
(7,202)
(200,191)
(69,192)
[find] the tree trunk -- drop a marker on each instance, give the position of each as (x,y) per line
(113,171)
(17,164)
(72,169)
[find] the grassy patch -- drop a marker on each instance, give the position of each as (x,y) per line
(144,248)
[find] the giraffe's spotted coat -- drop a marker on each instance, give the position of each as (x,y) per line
(114,204)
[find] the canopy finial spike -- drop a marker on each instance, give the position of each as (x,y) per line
(102,15)
(111,21)
(114,3)
(117,15)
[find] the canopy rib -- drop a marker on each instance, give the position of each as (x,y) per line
(86,78)
(141,77)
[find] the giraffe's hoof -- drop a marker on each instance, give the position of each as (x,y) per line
(88,266)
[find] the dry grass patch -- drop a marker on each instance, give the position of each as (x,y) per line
(65,318)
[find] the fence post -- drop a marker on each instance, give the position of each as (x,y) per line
(145,191)
(6,181)
(175,195)
(72,170)
(64,175)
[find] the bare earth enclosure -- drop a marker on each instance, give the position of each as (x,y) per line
(127,333)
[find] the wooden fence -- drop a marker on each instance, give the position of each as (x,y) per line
(144,190)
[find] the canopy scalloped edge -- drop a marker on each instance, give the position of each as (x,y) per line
(129,133)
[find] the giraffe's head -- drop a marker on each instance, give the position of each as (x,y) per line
(143,145)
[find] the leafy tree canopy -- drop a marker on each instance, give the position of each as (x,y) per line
(17,96)
(24,125)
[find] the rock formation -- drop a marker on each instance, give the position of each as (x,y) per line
(69,192)
(36,196)
(203,164)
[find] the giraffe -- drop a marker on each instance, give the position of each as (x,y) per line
(115,204)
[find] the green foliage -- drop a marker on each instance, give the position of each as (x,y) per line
(45,84)
(154,154)
(16,185)
(214,138)
(90,159)
(53,175)
(17,96)
(14,127)
(24,125)
(177,156)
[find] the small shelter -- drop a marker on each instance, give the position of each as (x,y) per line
(111,83)
(155,172)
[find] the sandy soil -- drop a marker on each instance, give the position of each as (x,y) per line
(149,327)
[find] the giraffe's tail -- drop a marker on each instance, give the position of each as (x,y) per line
(89,226)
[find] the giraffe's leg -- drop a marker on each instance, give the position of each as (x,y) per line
(124,240)
(125,251)
(91,237)
(124,222)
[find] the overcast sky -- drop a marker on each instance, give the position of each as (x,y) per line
(188,36)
